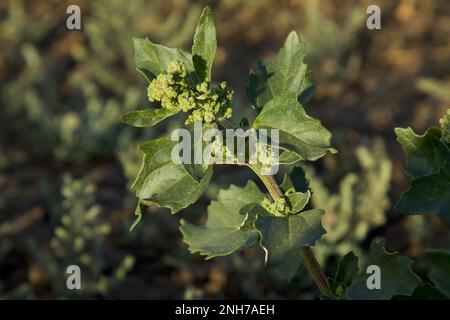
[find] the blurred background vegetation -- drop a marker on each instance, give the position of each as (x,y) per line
(66,162)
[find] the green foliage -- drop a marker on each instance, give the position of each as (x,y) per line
(79,238)
(79,134)
(66,115)
(237,220)
(283,238)
(153,59)
(428,165)
(173,82)
(148,117)
(15,30)
(439,263)
(165,183)
(284,75)
(108,28)
(435,88)
(310,141)
(397,278)
(204,46)
(345,275)
(225,231)
(330,43)
(244,217)
(177,92)
(361,201)
(82,125)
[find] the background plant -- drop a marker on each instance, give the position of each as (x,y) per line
(79,238)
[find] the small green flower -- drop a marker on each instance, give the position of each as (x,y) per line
(445,125)
(265,155)
(176,91)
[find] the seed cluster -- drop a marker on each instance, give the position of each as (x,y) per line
(445,125)
(265,155)
(221,153)
(177,91)
(279,207)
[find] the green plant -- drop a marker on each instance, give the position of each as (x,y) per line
(284,225)
(108,28)
(361,201)
(81,123)
(428,165)
(330,44)
(79,238)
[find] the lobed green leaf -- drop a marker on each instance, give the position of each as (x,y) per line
(285,74)
(222,234)
(428,163)
(298,132)
(165,183)
(427,194)
(283,238)
(397,278)
(425,154)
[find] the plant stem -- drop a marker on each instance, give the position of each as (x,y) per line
(310,260)
(269,182)
(316,271)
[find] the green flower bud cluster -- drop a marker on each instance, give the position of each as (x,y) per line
(265,155)
(176,91)
(279,208)
(168,86)
(221,153)
(445,125)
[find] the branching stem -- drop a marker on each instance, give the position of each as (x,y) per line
(310,260)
